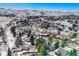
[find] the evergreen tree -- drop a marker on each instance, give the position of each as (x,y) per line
(42,50)
(63,43)
(32,40)
(40,41)
(13,31)
(50,38)
(18,41)
(29,33)
(73,52)
(74,35)
(57,45)
(41,45)
(9,52)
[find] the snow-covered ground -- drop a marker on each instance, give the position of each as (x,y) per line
(4,21)
(10,39)
(4,50)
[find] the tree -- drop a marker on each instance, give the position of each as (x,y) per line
(57,45)
(9,52)
(60,29)
(73,52)
(40,41)
(76,21)
(58,32)
(20,34)
(29,33)
(74,25)
(1,31)
(50,38)
(45,25)
(42,50)
(74,35)
(70,28)
(32,40)
(13,31)
(41,45)
(63,42)
(4,40)
(18,41)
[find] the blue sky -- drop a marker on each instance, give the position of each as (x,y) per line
(40,6)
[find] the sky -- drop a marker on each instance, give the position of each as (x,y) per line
(42,6)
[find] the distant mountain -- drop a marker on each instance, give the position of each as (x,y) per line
(35,12)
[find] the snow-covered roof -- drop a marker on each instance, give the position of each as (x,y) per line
(74,39)
(67,48)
